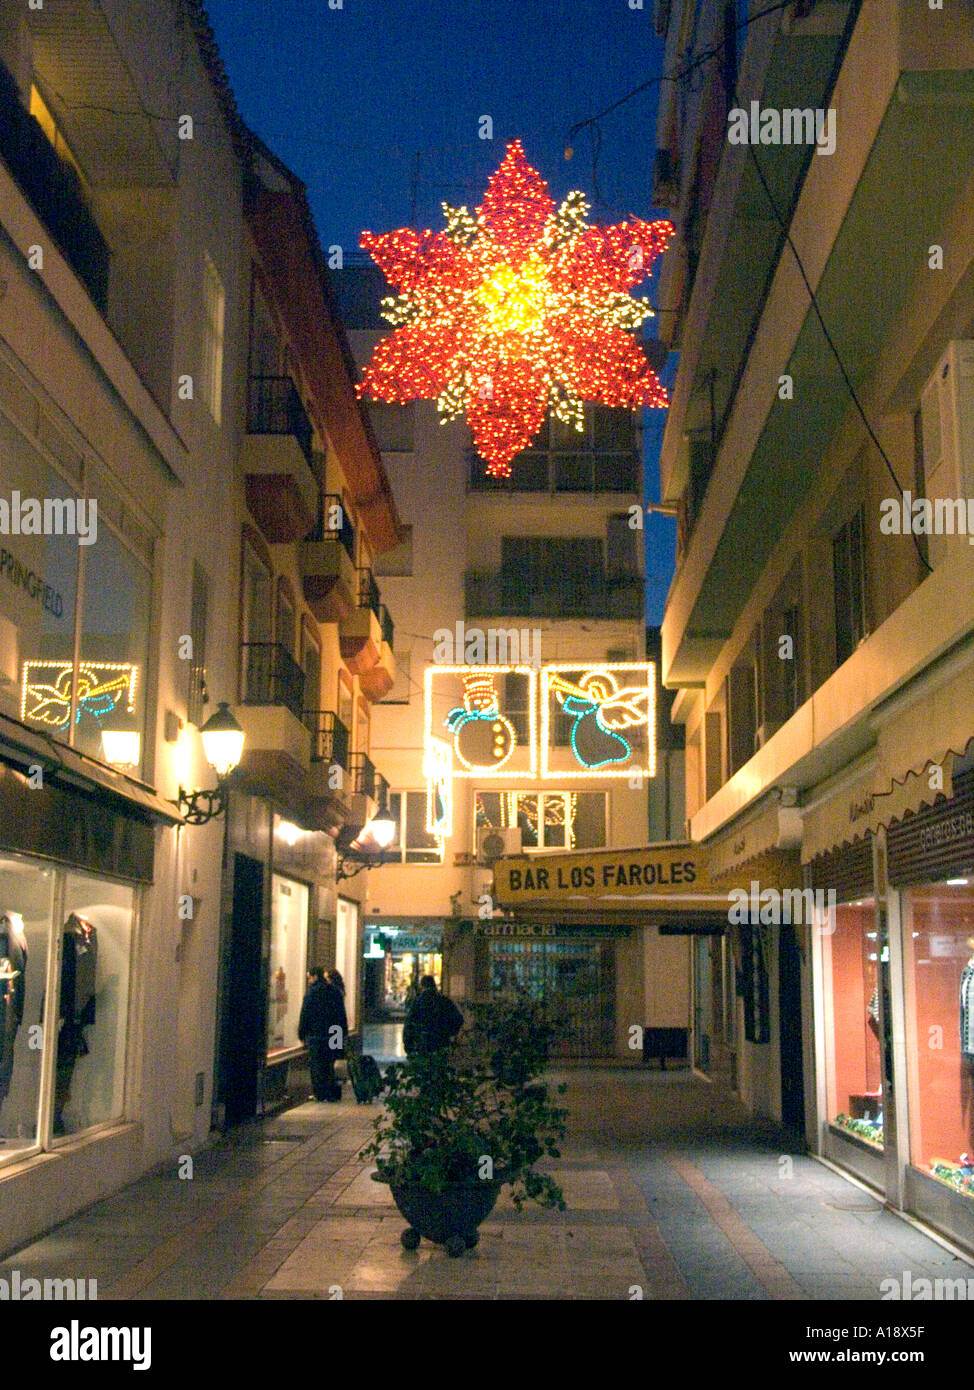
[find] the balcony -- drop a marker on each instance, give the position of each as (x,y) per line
(329,784)
(53,189)
(327,564)
(502,594)
(278,743)
(360,635)
(276,459)
(369,797)
(379,680)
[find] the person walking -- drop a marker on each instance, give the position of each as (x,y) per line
(432,1021)
(322,1028)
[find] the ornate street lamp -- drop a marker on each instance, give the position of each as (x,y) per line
(223,741)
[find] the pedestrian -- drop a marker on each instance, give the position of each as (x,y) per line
(322,1028)
(432,1022)
(334,978)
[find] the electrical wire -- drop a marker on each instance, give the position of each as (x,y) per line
(733,100)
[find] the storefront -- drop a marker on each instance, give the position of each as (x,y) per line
(602,937)
(930,867)
(281,915)
(399,951)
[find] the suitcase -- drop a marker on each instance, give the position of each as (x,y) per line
(366,1079)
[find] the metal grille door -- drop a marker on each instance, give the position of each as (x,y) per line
(575,978)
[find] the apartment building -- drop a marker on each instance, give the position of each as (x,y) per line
(496,584)
(176,411)
(818,631)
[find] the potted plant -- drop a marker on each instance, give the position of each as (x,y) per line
(460,1123)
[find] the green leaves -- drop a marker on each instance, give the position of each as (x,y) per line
(447,1112)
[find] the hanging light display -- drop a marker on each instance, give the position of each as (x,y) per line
(517,311)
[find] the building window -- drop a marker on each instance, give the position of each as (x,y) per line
(311,665)
(849,575)
(284,618)
(288,962)
(214,304)
(547,820)
(398,562)
(413,841)
(197,697)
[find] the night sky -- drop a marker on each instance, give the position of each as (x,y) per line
(377,104)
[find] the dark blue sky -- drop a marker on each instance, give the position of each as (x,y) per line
(349,98)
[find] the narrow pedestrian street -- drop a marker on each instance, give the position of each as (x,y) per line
(672,1192)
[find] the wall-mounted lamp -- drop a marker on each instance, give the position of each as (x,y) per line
(223,741)
(368,851)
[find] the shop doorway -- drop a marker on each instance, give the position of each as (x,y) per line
(790,1032)
(704,1034)
(244,1031)
(575,978)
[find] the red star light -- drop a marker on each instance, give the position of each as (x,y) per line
(517,311)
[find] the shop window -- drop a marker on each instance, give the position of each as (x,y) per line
(348,949)
(211,375)
(96,941)
(853,1064)
(414,842)
(288,962)
(26,921)
(939,967)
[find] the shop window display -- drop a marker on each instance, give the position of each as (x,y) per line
(26,915)
(851,997)
(938,925)
(288,962)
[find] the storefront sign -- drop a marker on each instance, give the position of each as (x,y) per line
(534,930)
(655,871)
(935,842)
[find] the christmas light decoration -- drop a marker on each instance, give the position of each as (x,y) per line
(601,709)
(438,771)
(514,312)
(484,739)
(101,686)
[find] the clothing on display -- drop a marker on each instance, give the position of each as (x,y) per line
(967,1011)
(13,968)
(79,971)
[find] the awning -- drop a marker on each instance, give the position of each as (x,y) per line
(774,828)
(918,746)
(842,817)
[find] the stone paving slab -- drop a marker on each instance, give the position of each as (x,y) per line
(672,1193)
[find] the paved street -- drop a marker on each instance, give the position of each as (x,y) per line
(670,1188)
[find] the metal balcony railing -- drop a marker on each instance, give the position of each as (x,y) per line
(332,508)
(269,675)
(274,407)
(388,626)
(585,471)
(500,593)
(329,738)
(54,190)
(367,782)
(368,592)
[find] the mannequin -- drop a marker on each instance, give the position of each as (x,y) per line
(79,969)
(13,967)
(967,1008)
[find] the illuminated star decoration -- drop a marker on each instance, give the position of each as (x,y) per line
(514,312)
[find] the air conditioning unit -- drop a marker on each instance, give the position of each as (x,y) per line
(492,844)
(947,423)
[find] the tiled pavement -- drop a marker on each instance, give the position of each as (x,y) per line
(671,1192)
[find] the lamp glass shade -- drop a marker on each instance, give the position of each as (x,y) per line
(382,831)
(223,740)
(121,746)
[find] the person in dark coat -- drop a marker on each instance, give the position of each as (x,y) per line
(432,1022)
(322,1028)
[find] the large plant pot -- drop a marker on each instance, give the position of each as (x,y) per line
(450,1217)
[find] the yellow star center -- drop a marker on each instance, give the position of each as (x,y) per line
(516,300)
